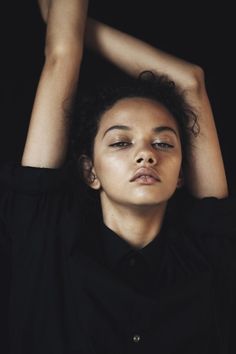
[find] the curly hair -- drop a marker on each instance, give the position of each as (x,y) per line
(90,108)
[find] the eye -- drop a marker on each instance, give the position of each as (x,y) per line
(120,144)
(163,145)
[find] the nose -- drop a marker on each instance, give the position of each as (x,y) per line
(146,157)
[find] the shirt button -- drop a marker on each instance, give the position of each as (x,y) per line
(132,262)
(136,338)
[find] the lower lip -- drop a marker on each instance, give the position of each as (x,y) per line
(148,180)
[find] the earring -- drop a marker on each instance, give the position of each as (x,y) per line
(92,177)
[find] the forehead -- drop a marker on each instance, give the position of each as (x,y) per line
(137,111)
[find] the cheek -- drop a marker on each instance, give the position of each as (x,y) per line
(172,167)
(109,166)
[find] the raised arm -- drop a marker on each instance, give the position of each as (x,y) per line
(46,143)
(206,174)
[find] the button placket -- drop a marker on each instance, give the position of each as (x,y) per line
(132,262)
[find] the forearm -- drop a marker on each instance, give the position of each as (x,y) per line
(133,55)
(47,138)
(205,175)
(46,143)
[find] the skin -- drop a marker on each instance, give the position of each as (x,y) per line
(47,138)
(135,212)
(135,209)
(133,55)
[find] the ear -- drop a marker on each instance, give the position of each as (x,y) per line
(180,181)
(88,172)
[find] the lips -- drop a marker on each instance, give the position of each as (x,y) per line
(145,172)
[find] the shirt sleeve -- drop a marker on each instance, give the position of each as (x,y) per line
(39,223)
(211,224)
(27,192)
(14,177)
(33,201)
(213,216)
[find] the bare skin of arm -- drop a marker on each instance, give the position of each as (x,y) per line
(206,174)
(46,143)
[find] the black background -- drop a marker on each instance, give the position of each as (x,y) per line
(200,32)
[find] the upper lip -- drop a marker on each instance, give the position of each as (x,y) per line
(144,171)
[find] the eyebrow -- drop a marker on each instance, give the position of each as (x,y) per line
(155,130)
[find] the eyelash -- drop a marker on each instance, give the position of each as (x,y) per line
(166,145)
(124,144)
(120,144)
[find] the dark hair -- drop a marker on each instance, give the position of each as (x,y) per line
(89,110)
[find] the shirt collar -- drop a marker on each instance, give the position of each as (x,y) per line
(116,248)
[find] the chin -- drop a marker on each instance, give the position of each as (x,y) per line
(148,202)
(149,198)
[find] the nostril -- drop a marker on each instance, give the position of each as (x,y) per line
(151,160)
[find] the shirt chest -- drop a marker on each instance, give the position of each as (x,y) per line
(117,316)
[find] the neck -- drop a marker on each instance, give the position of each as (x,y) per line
(137,225)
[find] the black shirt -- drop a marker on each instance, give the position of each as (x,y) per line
(77,287)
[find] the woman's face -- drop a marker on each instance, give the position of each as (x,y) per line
(137,154)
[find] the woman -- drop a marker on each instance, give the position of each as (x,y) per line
(123,278)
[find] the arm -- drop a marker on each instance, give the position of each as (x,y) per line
(206,174)
(47,137)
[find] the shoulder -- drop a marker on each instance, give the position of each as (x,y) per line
(205,215)
(37,196)
(14,177)
(207,227)
(213,215)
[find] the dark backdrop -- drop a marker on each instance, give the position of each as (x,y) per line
(196,31)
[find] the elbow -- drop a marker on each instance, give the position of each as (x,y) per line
(196,81)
